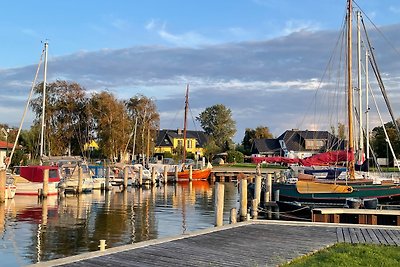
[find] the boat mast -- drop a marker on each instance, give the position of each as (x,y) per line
(367,109)
(350,90)
(359,85)
(185,123)
(43,104)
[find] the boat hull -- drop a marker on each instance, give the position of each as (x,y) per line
(33,189)
(382,192)
(196,174)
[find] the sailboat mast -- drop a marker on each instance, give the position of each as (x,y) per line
(350,90)
(367,107)
(185,123)
(43,104)
(359,85)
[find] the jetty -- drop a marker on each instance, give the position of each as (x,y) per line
(250,243)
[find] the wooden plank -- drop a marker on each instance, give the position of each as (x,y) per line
(395,238)
(359,235)
(353,236)
(386,236)
(339,234)
(346,235)
(373,236)
(366,235)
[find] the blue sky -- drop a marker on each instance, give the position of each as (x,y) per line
(230,52)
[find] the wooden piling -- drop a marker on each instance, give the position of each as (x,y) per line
(107,185)
(254,209)
(165,175)
(126,176)
(257,189)
(269,187)
(80,180)
(243,199)
(140,182)
(44,211)
(190,173)
(233,216)
(153,175)
(45,190)
(219,204)
(176,173)
(2,185)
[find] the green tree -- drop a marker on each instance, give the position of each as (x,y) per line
(235,156)
(217,122)
(379,144)
(251,134)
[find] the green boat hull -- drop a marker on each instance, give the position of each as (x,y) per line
(381,192)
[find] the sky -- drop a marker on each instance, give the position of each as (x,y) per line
(263,59)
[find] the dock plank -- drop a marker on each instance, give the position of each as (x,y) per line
(248,244)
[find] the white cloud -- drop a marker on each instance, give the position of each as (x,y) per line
(299,25)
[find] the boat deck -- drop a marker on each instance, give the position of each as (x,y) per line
(263,243)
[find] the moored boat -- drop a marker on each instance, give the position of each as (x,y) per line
(29,179)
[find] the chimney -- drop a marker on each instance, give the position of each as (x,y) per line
(179,131)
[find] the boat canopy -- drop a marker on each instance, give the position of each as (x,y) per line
(322,159)
(36,173)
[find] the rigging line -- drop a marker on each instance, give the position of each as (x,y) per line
(384,129)
(26,109)
(379,79)
(378,30)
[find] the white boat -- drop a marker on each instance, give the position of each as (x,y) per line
(29,180)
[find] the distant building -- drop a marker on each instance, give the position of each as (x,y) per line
(297,144)
(171,140)
(4,147)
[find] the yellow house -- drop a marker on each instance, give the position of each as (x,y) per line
(171,140)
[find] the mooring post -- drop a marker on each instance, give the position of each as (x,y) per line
(243,199)
(190,173)
(254,209)
(80,180)
(268,192)
(45,190)
(44,211)
(102,245)
(219,204)
(233,216)
(165,175)
(140,176)
(126,176)
(107,185)
(176,173)
(257,190)
(2,185)
(153,175)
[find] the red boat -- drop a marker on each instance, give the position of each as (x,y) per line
(29,179)
(197,174)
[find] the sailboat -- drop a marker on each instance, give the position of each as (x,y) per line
(29,179)
(196,174)
(309,189)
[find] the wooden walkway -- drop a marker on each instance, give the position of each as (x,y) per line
(258,243)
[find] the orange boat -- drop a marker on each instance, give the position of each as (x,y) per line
(197,174)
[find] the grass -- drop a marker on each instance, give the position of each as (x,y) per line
(343,254)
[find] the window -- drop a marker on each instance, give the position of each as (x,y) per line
(314,144)
(189,144)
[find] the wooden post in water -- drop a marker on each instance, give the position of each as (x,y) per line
(190,173)
(176,173)
(140,182)
(254,209)
(233,216)
(44,211)
(268,192)
(257,190)
(45,190)
(80,180)
(2,186)
(107,185)
(243,199)
(165,175)
(153,175)
(126,176)
(219,204)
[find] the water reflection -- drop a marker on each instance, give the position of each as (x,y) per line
(33,231)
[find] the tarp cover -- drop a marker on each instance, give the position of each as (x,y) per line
(322,159)
(35,173)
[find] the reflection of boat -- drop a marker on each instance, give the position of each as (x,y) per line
(317,190)
(197,184)
(29,179)
(10,187)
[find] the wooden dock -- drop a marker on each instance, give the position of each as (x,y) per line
(254,243)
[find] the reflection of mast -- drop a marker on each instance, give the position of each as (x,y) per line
(184,228)
(185,123)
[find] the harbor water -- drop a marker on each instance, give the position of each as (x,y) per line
(34,230)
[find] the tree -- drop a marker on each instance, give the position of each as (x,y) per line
(217,122)
(143,110)
(379,144)
(65,116)
(251,134)
(111,124)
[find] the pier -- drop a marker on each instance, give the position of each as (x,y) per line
(252,243)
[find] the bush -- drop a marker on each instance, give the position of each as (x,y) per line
(235,156)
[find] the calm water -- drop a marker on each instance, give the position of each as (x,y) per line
(33,231)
